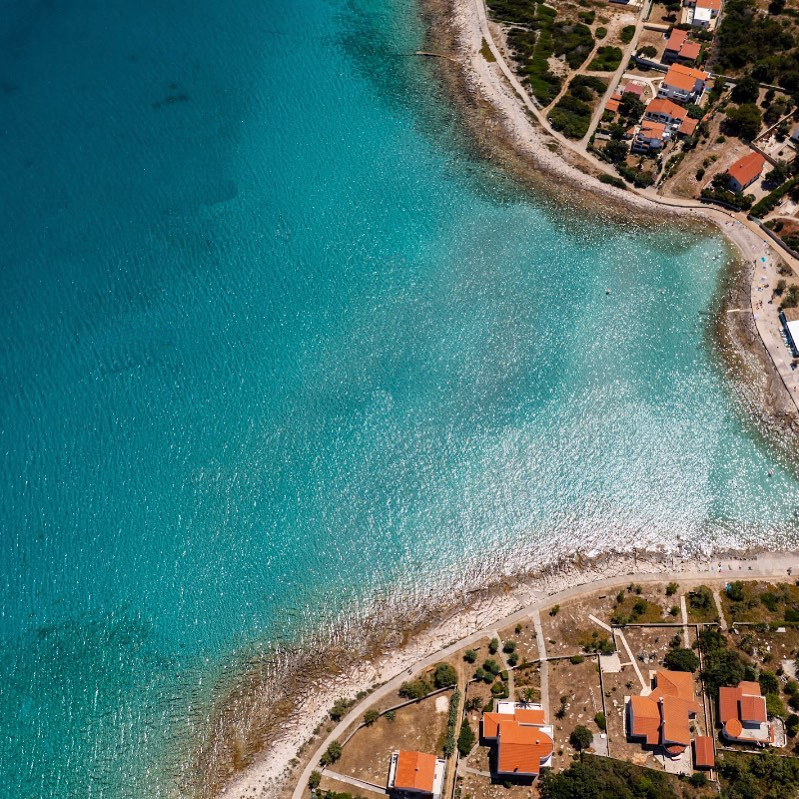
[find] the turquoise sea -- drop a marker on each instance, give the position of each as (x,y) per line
(274,343)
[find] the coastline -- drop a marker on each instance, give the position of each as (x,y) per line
(507,136)
(282,771)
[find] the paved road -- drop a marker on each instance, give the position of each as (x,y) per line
(770,566)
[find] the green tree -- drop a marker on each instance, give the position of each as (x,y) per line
(681,660)
(775,706)
(745,120)
(581,737)
(332,754)
(616,151)
(470,656)
(415,689)
(747,90)
(445,675)
(769,684)
(735,591)
(509,646)
(601,721)
(493,646)
(671,589)
(465,739)
(314,780)
(370,717)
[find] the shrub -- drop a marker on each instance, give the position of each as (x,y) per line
(492,667)
(493,646)
(768,682)
(390,715)
(612,180)
(792,725)
(554,610)
(340,708)
(508,647)
(674,610)
(470,656)
(581,737)
(681,660)
(600,721)
(601,33)
(607,59)
(627,33)
(701,599)
(445,675)
(791,687)
(698,779)
(370,717)
(744,121)
(647,51)
(415,689)
(452,721)
(331,755)
(513,659)
(314,780)
(775,706)
(576,659)
(671,589)
(465,739)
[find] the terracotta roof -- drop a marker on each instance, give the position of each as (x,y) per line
(684,78)
(633,88)
(645,719)
(675,749)
(522,748)
(491,723)
(529,715)
(733,728)
(688,126)
(675,683)
(690,50)
(676,39)
(415,771)
(753,708)
(703,752)
(612,105)
(749,688)
(745,170)
(728,703)
(660,105)
(652,130)
(676,719)
(713,5)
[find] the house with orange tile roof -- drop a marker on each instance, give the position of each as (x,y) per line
(683,84)
(743,716)
(662,717)
(651,137)
(415,775)
(704,756)
(522,737)
(680,48)
(745,171)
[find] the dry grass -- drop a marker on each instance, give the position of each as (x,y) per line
(419,727)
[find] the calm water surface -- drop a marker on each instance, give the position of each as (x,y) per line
(272,343)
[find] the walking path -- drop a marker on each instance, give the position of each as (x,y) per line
(600,623)
(684,613)
(720,609)
(633,662)
(366,786)
(768,566)
(543,668)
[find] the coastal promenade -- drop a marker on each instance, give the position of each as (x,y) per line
(755,246)
(715,572)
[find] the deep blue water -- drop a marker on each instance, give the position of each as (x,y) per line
(273,342)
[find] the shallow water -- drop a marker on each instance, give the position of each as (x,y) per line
(274,344)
